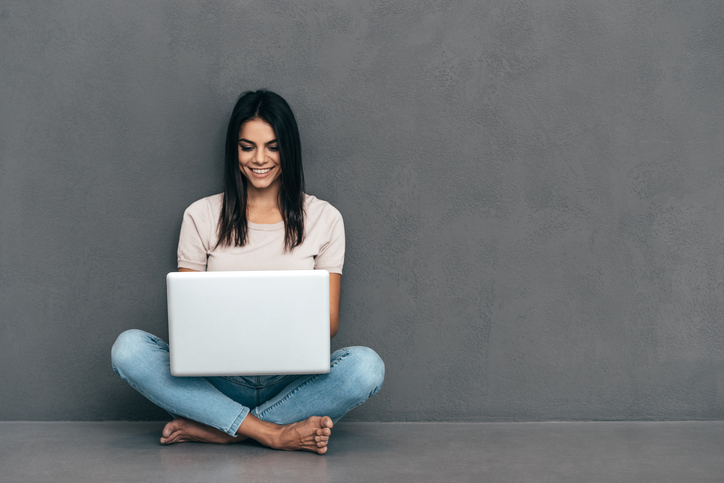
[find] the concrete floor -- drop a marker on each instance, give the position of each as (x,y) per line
(99,452)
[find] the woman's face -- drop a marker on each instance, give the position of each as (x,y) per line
(259,159)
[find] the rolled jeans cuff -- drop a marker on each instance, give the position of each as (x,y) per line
(237,422)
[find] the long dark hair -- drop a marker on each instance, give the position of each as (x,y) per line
(274,110)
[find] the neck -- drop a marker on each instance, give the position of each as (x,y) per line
(267,198)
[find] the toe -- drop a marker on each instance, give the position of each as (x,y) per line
(172,427)
(322,450)
(175,437)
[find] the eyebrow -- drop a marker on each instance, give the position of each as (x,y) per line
(251,142)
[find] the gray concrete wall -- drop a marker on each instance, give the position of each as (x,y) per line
(532,193)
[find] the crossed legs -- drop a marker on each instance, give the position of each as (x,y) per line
(300,416)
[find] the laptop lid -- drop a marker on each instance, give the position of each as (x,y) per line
(248,323)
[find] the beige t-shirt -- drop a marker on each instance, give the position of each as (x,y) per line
(322,248)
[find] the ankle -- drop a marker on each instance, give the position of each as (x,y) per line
(268,434)
(275,437)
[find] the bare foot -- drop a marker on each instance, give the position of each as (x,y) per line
(181,430)
(311,435)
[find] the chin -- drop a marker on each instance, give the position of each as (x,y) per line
(262,184)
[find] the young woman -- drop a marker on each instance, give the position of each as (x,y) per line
(262,221)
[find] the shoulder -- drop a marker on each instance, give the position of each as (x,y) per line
(317,209)
(208,207)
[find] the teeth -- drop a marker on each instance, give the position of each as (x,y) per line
(261,171)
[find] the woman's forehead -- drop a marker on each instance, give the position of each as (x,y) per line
(257,128)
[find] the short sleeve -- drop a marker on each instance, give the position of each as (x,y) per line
(193,243)
(331,252)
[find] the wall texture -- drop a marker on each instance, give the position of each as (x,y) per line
(532,192)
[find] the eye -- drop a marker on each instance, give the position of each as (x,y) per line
(245,148)
(274,148)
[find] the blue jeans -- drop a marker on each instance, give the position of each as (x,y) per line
(142,360)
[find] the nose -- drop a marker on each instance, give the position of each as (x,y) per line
(260,156)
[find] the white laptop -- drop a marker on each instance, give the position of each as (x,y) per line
(248,323)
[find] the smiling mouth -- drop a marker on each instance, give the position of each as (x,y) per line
(261,171)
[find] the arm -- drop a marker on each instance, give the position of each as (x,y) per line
(335,283)
(186,270)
